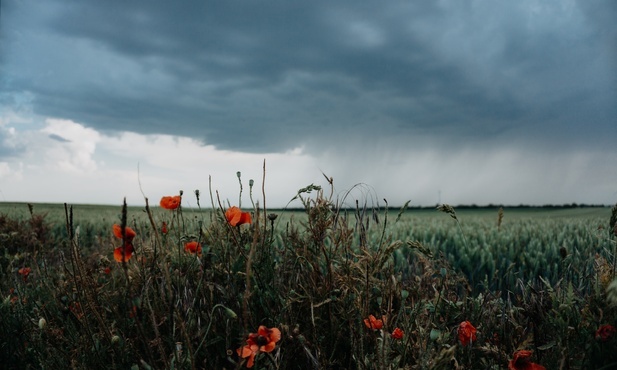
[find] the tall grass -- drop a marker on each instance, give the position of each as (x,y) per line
(314,276)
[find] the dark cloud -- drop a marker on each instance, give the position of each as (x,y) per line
(268,77)
(58,138)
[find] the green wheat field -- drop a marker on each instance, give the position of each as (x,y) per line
(327,283)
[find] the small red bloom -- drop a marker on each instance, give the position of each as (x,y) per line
(236,217)
(24,272)
(171,202)
(107,270)
(466,333)
(373,323)
(521,361)
(605,333)
(263,341)
(192,247)
(397,333)
(164,228)
(129,233)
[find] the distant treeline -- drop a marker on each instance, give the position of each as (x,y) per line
(471,207)
(526,206)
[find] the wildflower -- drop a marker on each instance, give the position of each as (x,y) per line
(171,202)
(124,253)
(129,233)
(164,228)
(24,272)
(373,323)
(605,333)
(397,333)
(236,217)
(520,361)
(263,341)
(42,323)
(192,247)
(466,333)
(107,270)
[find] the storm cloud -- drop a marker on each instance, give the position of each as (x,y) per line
(270,77)
(362,81)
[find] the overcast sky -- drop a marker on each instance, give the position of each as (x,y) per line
(460,102)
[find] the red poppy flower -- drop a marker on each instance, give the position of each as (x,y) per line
(123,254)
(397,333)
(466,333)
(164,228)
(521,361)
(373,323)
(192,247)
(605,333)
(129,233)
(263,341)
(235,216)
(171,202)
(24,272)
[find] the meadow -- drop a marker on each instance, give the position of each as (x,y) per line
(322,285)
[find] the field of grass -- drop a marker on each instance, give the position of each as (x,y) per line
(319,287)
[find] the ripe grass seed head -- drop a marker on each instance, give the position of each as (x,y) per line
(446,208)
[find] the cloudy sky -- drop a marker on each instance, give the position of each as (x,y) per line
(504,102)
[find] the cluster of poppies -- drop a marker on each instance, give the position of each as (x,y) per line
(374,323)
(234,216)
(521,360)
(266,338)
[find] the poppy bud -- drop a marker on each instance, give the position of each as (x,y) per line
(115,339)
(231,314)
(42,323)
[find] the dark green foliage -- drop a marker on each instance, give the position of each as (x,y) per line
(316,276)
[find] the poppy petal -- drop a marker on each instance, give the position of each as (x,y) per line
(245,218)
(275,334)
(268,347)
(129,233)
(123,254)
(233,215)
